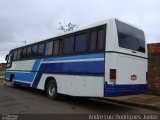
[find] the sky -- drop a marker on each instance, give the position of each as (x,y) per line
(35,20)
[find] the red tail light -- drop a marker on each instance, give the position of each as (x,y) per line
(112,74)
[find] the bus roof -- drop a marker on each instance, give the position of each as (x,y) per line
(69,32)
(79,29)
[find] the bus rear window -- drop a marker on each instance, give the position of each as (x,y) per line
(130,37)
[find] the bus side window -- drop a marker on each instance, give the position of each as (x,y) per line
(93,40)
(56,47)
(81,43)
(34,50)
(29,51)
(9,59)
(49,48)
(23,52)
(41,49)
(101,39)
(15,55)
(19,54)
(68,45)
(60,46)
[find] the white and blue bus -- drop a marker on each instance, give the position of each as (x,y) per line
(108,58)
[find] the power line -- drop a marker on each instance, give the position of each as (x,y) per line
(17,41)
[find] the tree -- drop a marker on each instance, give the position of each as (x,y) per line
(68,27)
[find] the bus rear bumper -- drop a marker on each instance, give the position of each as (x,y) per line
(122,90)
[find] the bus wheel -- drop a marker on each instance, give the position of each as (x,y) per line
(52,90)
(12,81)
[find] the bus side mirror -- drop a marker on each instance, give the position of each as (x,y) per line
(6,58)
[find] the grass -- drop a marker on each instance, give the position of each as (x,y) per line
(2,73)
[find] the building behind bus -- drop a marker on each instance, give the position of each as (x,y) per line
(2,66)
(154,67)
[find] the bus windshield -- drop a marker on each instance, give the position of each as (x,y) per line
(130,37)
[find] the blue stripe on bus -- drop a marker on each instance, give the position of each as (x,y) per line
(101,55)
(95,68)
(90,68)
(36,65)
(28,76)
(7,75)
(23,84)
(85,67)
(124,89)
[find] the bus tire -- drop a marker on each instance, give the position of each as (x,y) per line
(12,81)
(51,90)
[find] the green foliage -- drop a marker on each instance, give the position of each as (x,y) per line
(2,73)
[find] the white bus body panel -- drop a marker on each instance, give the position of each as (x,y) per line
(76,85)
(25,65)
(128,66)
(127,63)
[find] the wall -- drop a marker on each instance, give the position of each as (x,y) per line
(154,67)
